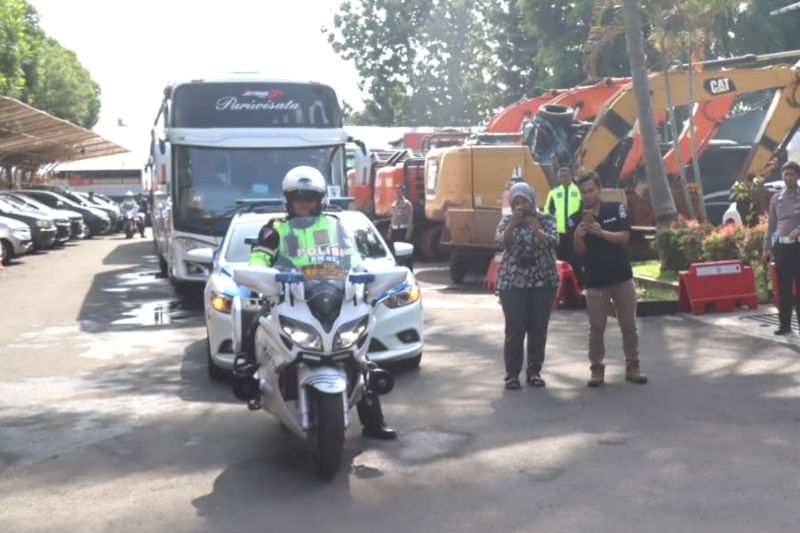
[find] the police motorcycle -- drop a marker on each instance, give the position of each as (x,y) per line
(311,344)
(132,219)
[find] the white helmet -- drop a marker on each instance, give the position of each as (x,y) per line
(306,182)
(129,194)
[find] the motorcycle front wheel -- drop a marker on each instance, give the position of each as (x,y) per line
(326,436)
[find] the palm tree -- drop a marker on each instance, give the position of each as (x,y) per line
(664,212)
(665,43)
(697,18)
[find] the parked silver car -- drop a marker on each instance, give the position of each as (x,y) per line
(15,238)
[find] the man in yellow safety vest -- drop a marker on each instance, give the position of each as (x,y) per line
(563,202)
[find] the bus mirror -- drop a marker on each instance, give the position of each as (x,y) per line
(361,162)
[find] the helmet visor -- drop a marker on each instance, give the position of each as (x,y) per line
(303,196)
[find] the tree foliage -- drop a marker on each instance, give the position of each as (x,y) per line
(455,62)
(439,62)
(39,71)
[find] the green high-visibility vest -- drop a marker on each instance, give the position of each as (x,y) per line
(562,203)
(325,241)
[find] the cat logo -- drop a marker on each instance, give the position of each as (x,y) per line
(717,86)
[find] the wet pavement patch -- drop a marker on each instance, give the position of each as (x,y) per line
(155,313)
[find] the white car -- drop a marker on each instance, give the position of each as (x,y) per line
(15,238)
(398,333)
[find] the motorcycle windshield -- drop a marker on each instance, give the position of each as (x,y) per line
(322,250)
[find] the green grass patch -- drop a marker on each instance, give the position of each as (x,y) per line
(652,269)
(656,295)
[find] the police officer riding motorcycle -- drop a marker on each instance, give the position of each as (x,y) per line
(283,243)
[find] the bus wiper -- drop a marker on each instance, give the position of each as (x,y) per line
(208,225)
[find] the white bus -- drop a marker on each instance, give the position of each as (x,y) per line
(216,141)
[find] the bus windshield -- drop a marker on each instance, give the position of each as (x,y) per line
(209,181)
(254,105)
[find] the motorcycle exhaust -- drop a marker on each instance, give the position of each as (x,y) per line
(380,381)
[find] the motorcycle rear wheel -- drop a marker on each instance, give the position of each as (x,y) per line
(327,433)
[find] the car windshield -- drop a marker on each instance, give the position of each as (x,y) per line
(32,202)
(16,202)
(6,206)
(53,198)
(211,180)
(363,233)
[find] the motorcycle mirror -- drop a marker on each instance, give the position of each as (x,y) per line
(258,279)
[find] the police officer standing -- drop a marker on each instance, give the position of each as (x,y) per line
(402,223)
(563,202)
(781,243)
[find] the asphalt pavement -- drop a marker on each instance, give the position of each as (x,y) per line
(108,421)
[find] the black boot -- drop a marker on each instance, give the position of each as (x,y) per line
(371,416)
(245,385)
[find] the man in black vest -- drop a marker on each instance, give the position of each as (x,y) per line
(601,232)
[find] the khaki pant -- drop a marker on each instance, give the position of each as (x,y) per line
(598,304)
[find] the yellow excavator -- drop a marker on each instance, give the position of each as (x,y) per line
(464,185)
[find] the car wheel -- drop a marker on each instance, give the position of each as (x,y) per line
(414,362)
(8,251)
(162,265)
(458,268)
(215,373)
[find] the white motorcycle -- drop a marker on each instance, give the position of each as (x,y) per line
(132,220)
(311,348)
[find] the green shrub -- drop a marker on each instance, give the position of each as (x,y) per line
(680,245)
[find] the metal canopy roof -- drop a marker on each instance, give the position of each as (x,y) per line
(32,138)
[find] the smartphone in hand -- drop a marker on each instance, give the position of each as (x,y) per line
(528,213)
(588,216)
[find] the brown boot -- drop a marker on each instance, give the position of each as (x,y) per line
(633,374)
(598,372)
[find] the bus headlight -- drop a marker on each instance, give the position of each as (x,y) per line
(190,244)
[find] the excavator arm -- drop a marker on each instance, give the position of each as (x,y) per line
(778,128)
(618,117)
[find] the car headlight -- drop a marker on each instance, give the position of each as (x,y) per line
(405,297)
(350,333)
(221,302)
(43,223)
(301,334)
(190,244)
(21,234)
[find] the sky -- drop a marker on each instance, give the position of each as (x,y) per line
(133,48)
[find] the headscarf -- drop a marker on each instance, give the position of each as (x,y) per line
(524,190)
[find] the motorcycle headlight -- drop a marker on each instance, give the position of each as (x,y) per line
(221,302)
(190,244)
(302,334)
(350,333)
(405,297)
(43,223)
